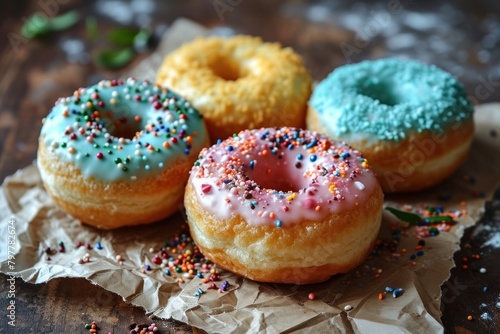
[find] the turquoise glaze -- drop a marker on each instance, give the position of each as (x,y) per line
(389,98)
(119,130)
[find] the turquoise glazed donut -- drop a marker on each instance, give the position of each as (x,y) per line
(119,153)
(412,121)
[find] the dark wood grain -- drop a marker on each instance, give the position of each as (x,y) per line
(34,73)
(66,305)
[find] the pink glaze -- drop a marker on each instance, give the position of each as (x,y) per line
(260,176)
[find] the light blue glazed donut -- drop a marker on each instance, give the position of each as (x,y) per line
(413,122)
(389,98)
(123,130)
(118,153)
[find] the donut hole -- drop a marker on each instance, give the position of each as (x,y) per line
(388,93)
(276,177)
(226,68)
(124,127)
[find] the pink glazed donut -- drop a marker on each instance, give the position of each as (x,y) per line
(283,205)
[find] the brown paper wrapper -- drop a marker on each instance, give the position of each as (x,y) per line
(250,306)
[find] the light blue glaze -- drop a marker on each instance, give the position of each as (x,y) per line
(156,114)
(389,98)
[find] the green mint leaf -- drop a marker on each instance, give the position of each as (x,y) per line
(114,59)
(92,28)
(438,219)
(123,36)
(141,40)
(36,25)
(408,217)
(64,21)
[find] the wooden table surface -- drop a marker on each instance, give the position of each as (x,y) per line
(34,73)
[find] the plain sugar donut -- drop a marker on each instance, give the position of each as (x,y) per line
(283,205)
(239,83)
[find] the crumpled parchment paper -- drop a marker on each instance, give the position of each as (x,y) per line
(249,306)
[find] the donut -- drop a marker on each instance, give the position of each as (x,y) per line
(119,153)
(412,121)
(239,83)
(283,205)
